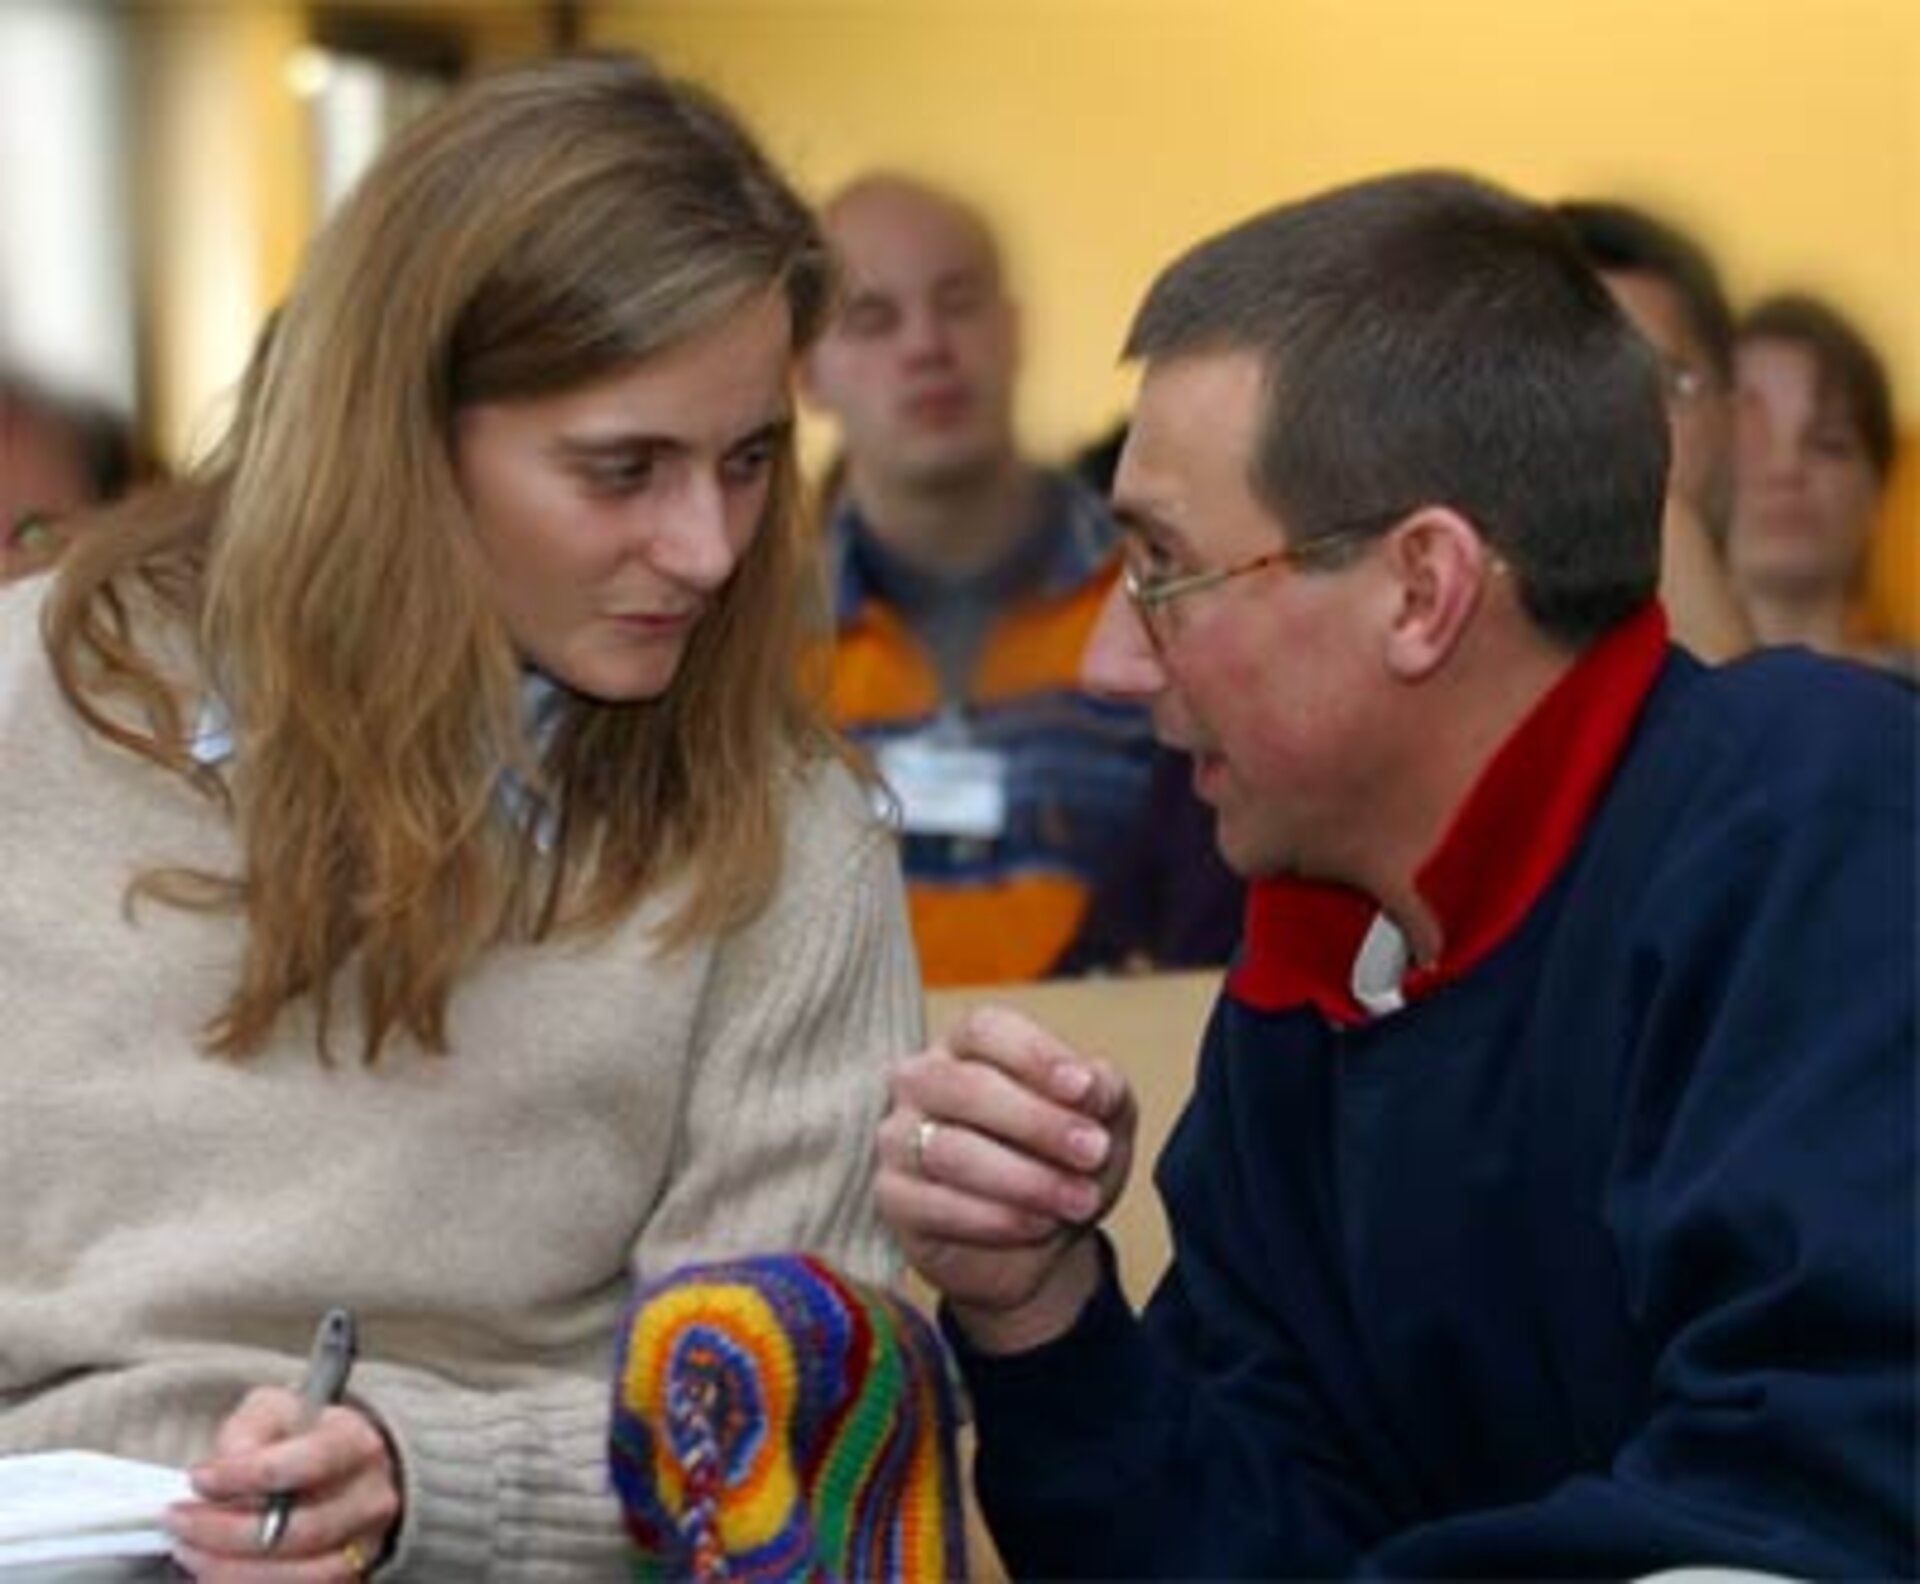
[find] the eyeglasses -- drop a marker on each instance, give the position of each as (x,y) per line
(1151,596)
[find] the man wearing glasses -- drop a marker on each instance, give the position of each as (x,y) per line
(1668,288)
(1545,1206)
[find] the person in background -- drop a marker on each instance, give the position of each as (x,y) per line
(1544,1207)
(966,580)
(1666,284)
(1165,901)
(57,456)
(428,889)
(1816,448)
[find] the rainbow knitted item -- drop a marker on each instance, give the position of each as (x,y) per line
(777,1420)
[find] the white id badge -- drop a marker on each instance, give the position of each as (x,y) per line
(945,788)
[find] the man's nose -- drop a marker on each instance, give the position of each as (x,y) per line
(924,334)
(1120,661)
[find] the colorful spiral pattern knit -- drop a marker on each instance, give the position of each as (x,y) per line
(777,1420)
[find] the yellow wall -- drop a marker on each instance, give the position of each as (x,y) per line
(1107,134)
(226,180)
(225,201)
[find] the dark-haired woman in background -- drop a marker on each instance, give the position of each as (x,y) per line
(1814,451)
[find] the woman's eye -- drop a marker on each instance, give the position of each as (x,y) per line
(619,475)
(867,317)
(749,464)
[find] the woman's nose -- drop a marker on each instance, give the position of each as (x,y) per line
(694,544)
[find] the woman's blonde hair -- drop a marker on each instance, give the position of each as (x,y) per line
(545,228)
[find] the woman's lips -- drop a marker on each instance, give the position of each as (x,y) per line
(939,407)
(654,624)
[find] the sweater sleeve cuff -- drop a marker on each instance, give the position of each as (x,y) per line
(500,1484)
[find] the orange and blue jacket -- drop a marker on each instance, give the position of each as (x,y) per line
(1003,907)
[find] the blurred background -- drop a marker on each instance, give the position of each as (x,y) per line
(163,162)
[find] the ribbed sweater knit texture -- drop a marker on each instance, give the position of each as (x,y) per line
(172,1225)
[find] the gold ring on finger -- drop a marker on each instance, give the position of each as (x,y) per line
(923,1133)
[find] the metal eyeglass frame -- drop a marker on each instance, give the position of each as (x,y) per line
(1150,596)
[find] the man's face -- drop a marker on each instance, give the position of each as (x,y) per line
(918,368)
(1699,410)
(1266,679)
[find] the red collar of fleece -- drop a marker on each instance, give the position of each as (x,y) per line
(1506,841)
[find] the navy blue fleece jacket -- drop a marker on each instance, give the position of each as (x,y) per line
(1597,1258)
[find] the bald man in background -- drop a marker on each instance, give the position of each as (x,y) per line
(966,581)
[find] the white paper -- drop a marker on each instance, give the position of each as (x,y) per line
(56,1506)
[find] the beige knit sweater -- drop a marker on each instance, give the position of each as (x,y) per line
(171,1226)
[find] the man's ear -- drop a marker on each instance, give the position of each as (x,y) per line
(1441,569)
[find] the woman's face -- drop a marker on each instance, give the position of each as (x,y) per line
(1806,494)
(609,518)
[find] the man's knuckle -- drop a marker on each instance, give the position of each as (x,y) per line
(974,1026)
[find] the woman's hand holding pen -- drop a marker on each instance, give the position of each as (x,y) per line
(340,1471)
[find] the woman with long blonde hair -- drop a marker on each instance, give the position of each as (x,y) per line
(429,888)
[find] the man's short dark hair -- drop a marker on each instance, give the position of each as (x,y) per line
(1431,340)
(1619,239)
(1845,364)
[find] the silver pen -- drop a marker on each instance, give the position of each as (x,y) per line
(328,1366)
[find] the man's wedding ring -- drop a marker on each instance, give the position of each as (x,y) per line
(923,1132)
